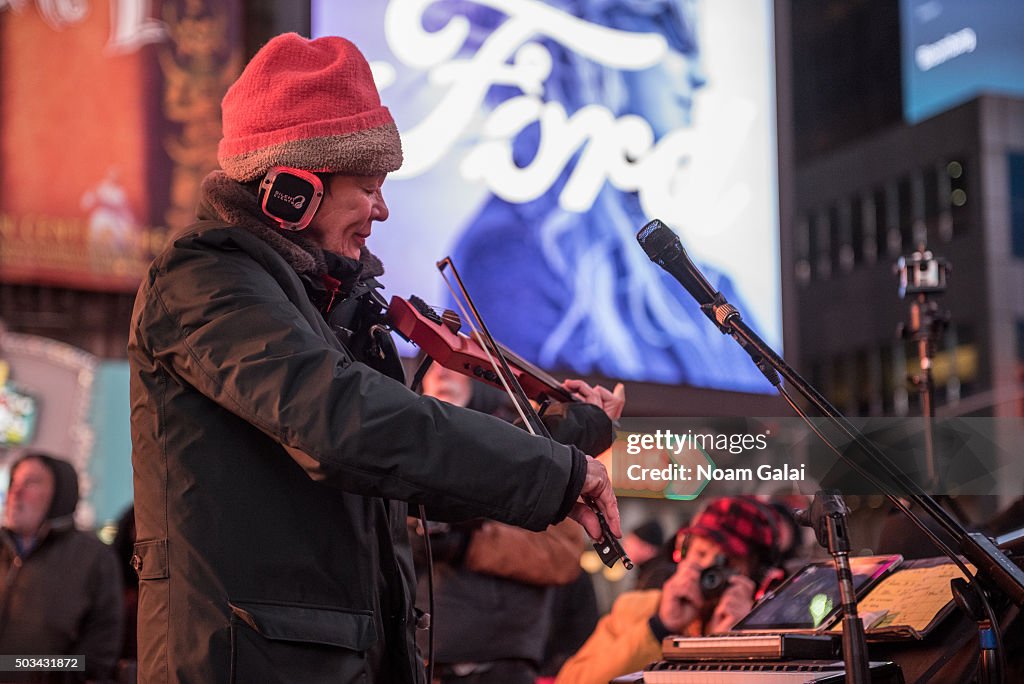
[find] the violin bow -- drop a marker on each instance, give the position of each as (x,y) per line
(608,547)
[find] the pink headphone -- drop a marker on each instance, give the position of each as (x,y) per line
(290,196)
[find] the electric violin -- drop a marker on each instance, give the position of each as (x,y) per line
(440,336)
(481,357)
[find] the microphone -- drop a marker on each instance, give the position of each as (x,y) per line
(665,249)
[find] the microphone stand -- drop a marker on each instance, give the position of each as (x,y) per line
(922,275)
(923,328)
(994,568)
(827,516)
(976,547)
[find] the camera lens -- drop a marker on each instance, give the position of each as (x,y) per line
(711,579)
(714,580)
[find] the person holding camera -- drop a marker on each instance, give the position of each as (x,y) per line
(721,558)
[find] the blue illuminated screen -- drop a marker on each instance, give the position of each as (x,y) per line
(953,51)
(539,137)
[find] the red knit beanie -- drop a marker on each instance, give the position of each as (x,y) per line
(310,104)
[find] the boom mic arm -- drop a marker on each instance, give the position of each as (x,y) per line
(664,248)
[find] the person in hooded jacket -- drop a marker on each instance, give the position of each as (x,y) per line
(61,587)
(275,446)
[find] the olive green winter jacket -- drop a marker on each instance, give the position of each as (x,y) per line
(272,469)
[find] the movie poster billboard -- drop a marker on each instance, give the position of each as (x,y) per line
(541,135)
(109,118)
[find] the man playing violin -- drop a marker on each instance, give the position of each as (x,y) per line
(275,445)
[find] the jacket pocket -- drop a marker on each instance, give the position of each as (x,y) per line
(283,642)
(149,558)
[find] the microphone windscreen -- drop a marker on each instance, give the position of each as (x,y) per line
(655,238)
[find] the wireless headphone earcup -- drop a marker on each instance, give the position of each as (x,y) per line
(290,196)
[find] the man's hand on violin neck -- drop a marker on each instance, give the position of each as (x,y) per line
(611,402)
(598,488)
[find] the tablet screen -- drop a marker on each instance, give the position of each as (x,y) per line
(809,600)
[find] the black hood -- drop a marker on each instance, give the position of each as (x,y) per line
(65,484)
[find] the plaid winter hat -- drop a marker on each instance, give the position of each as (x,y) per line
(309,104)
(741,525)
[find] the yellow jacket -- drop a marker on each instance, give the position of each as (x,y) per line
(621,643)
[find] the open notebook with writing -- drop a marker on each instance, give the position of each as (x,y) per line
(909,602)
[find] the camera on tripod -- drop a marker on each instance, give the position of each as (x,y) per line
(922,273)
(714,579)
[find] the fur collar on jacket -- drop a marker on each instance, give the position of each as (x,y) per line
(223,199)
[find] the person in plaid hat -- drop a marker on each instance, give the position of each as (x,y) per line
(275,445)
(736,535)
